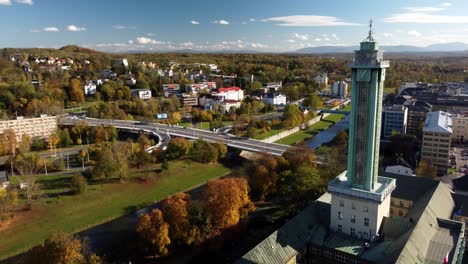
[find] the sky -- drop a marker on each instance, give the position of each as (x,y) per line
(214,25)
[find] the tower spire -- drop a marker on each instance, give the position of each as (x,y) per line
(370,38)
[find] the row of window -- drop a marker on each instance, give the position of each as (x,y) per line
(354,206)
(352,231)
(353,219)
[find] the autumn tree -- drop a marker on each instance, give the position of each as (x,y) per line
(28,165)
(176,213)
(76,92)
(297,157)
(178,147)
(112,162)
(78,184)
(226,201)
(425,169)
(263,176)
(313,101)
(8,202)
(25,145)
(221,149)
(61,248)
(155,230)
(293,116)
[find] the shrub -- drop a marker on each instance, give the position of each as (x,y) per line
(78,184)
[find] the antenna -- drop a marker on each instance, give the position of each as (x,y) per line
(370,38)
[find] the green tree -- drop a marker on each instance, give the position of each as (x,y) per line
(314,102)
(78,184)
(204,152)
(178,148)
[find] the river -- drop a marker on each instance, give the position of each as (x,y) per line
(328,134)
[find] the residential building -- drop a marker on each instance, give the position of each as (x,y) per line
(273,87)
(460,129)
(130,81)
(37,127)
(171,89)
(321,79)
(188,100)
(108,74)
(340,89)
(399,170)
(230,93)
(144,94)
(210,85)
(417,113)
(394,120)
(120,63)
(223,106)
(274,99)
(437,133)
(90,88)
(195,88)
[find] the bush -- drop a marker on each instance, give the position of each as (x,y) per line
(78,184)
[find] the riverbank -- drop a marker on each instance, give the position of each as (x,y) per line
(102,203)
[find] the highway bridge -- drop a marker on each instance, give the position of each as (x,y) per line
(162,131)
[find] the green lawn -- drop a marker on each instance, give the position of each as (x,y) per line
(274,130)
(314,129)
(102,202)
(389,90)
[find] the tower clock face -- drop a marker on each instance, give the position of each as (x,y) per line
(363,75)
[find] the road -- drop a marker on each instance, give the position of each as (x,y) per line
(161,130)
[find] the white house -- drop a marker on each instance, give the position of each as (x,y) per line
(224,106)
(274,99)
(230,93)
(321,79)
(195,88)
(171,89)
(210,85)
(130,81)
(90,88)
(213,67)
(400,170)
(65,67)
(144,94)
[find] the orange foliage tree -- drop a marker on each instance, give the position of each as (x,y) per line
(155,231)
(226,201)
(263,176)
(176,213)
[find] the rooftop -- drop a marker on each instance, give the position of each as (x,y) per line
(228,89)
(438,122)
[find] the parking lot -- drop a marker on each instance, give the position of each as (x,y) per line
(459,159)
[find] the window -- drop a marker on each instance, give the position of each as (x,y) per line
(340,215)
(341,204)
(353,231)
(402,204)
(340,228)
(353,219)
(366,221)
(353,206)
(400,212)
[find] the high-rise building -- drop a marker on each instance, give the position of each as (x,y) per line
(395,119)
(340,89)
(360,198)
(437,134)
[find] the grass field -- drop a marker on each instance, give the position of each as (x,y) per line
(313,130)
(274,130)
(102,202)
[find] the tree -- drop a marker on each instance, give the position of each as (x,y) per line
(226,201)
(78,184)
(155,231)
(251,131)
(204,152)
(61,248)
(263,176)
(28,165)
(25,145)
(52,141)
(76,90)
(314,102)
(221,149)
(176,213)
(105,165)
(178,148)
(8,201)
(425,169)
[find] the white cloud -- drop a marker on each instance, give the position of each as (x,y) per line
(26,2)
(252,20)
(145,41)
(414,33)
(258,45)
(150,34)
(291,41)
(387,35)
(424,9)
(5,2)
(121,27)
(49,29)
(244,23)
(446,4)
(195,22)
(318,39)
(422,18)
(75,28)
(130,42)
(187,44)
(220,22)
(302,37)
(308,21)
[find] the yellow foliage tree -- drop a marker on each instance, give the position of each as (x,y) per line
(155,231)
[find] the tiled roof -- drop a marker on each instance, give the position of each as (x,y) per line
(228,89)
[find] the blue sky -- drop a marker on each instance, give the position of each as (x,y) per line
(264,25)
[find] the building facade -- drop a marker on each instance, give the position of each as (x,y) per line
(38,127)
(340,89)
(437,133)
(274,99)
(417,113)
(460,129)
(144,94)
(394,119)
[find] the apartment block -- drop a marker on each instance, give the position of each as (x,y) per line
(41,127)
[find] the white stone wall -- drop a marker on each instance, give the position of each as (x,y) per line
(360,209)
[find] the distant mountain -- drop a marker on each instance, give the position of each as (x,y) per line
(443,47)
(75,48)
(192,51)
